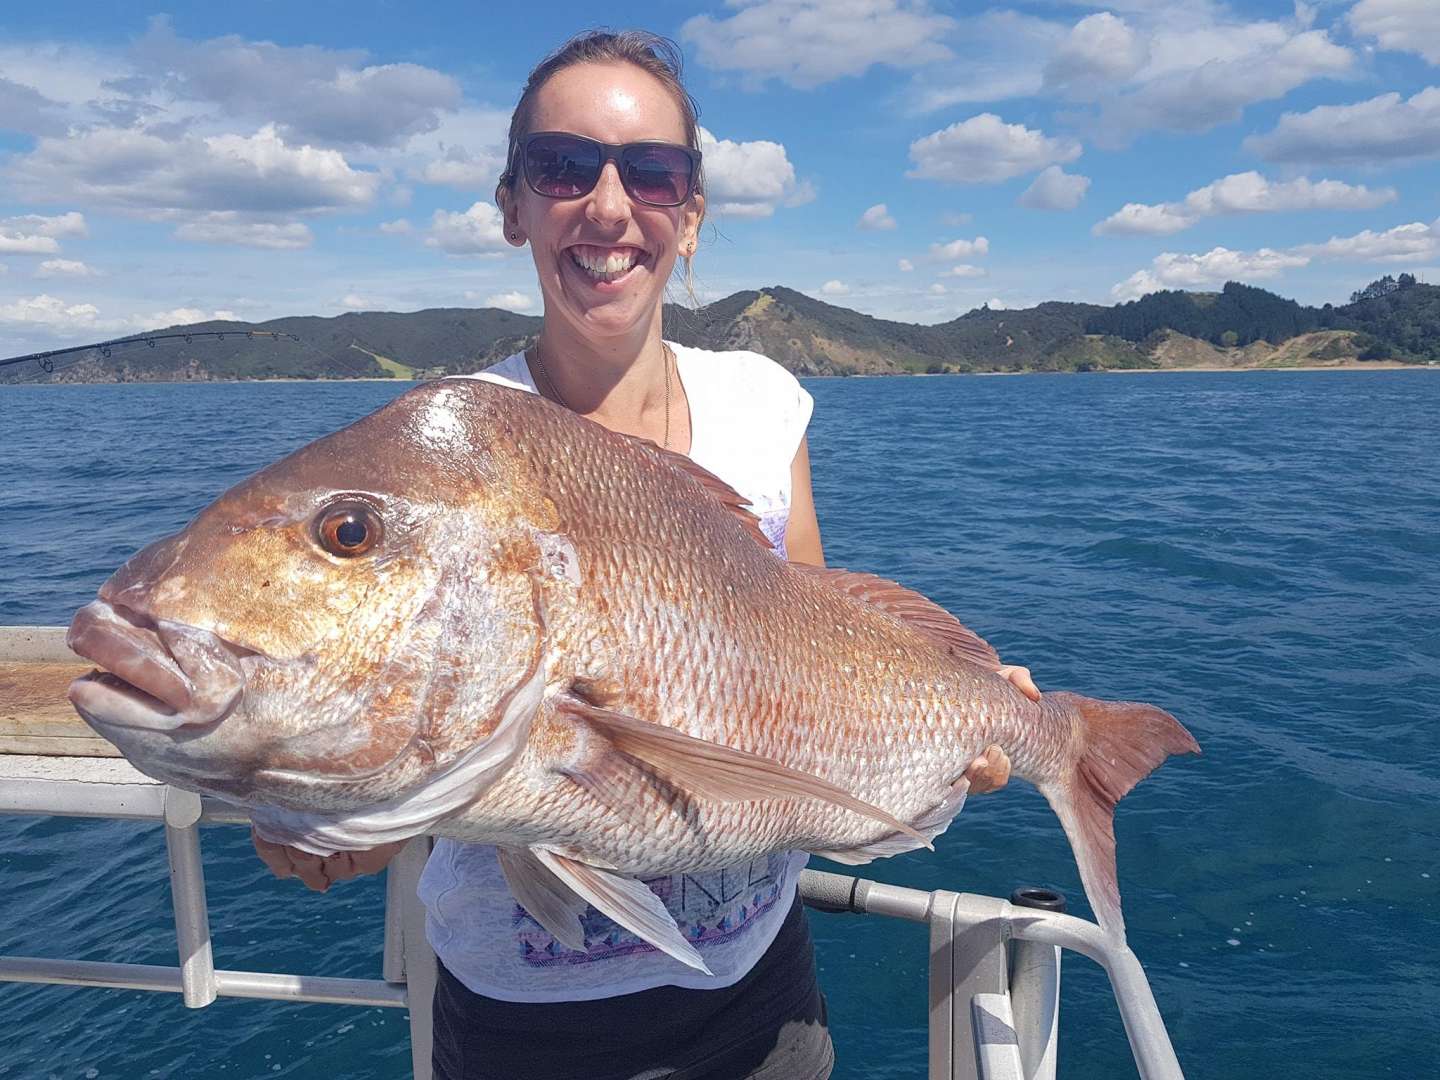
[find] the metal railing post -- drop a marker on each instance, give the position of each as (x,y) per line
(417,960)
(967,958)
(1035,989)
(187,889)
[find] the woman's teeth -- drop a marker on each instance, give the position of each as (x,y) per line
(605,265)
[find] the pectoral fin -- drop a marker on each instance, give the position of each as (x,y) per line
(712,771)
(629,902)
(547,899)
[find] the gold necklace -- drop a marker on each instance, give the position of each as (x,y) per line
(560,398)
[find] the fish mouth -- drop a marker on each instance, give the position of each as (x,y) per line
(156,675)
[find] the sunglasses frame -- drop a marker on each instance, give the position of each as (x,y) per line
(608,152)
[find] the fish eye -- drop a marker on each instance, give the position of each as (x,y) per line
(348,530)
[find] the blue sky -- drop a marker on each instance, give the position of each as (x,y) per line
(906,158)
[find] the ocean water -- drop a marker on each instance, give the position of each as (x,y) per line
(1257,552)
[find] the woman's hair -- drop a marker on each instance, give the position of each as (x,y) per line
(651,53)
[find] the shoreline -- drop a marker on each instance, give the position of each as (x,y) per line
(1349,365)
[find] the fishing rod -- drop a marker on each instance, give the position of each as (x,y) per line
(46,359)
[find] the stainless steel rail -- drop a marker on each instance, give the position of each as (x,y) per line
(994,966)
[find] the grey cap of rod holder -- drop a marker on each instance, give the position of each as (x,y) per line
(1033,896)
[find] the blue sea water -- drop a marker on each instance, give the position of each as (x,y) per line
(1257,552)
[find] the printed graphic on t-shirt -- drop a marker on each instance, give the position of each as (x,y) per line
(772,524)
(709,908)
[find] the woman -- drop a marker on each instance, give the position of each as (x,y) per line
(604,184)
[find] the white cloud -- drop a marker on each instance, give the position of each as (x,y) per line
(135,171)
(461,169)
(65,268)
(226,227)
(23,108)
(398,227)
(906,265)
(35,234)
(355,302)
(1402,25)
(749,179)
(1381,130)
(985,150)
(1247,192)
(1201,95)
(55,318)
(835,288)
(964,270)
(1414,243)
(181,316)
(50,313)
(960,249)
(310,93)
(514,300)
(810,42)
(1055,189)
(27,244)
(937,289)
(877,217)
(1404,243)
(1214,267)
(1142,65)
(1000,54)
(996,304)
(62,225)
(479,230)
(1100,51)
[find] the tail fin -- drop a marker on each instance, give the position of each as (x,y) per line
(1120,743)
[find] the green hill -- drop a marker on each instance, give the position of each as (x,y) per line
(1240,326)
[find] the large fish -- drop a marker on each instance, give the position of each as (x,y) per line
(476,614)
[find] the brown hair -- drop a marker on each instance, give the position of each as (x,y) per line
(659,56)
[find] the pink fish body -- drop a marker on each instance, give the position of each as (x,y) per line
(476,614)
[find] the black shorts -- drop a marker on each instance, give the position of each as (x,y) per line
(768,1026)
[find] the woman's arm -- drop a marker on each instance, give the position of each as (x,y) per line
(802,534)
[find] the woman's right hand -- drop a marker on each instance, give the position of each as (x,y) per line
(319,872)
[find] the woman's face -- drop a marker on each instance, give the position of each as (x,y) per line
(611,103)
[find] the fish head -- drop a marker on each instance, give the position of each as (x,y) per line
(337,629)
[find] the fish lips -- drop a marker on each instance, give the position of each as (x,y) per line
(158,676)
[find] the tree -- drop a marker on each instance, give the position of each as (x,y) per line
(1381,287)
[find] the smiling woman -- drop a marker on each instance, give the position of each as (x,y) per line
(604,182)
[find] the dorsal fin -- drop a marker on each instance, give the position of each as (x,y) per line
(923,616)
(718,490)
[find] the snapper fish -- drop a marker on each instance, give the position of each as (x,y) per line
(475,614)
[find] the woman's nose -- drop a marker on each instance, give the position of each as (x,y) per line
(609,202)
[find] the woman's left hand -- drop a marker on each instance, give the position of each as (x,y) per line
(991,770)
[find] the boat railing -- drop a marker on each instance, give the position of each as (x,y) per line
(994,970)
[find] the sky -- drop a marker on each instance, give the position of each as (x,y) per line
(912,159)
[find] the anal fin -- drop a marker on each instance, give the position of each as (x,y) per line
(544,896)
(627,901)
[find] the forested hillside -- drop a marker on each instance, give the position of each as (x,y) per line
(1240,326)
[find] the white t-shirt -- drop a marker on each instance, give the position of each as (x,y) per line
(747,417)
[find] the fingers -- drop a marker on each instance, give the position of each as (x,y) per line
(1019,677)
(989,772)
(319,872)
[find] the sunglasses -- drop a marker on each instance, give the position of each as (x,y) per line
(559,165)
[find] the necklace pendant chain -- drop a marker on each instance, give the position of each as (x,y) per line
(669,359)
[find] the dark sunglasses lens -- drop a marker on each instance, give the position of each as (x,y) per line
(561,167)
(658,175)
